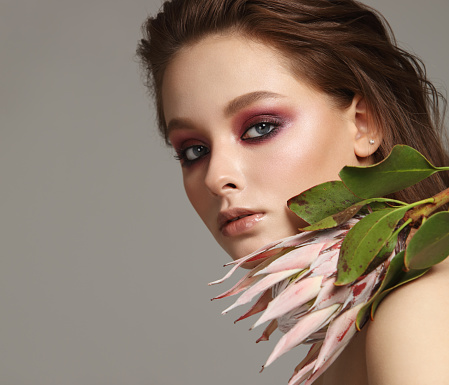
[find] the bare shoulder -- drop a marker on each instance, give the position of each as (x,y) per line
(408,342)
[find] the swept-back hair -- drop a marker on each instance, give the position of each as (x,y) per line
(341,47)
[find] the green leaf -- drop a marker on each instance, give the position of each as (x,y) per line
(393,274)
(402,168)
(364,241)
(430,244)
(343,216)
(334,220)
(384,253)
(322,201)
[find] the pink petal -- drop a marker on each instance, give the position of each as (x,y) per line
(361,291)
(323,368)
(310,237)
(299,258)
(272,326)
(249,258)
(331,294)
(305,326)
(292,241)
(260,286)
(248,279)
(327,265)
(292,297)
(318,336)
(260,251)
(289,319)
(312,355)
(305,367)
(327,255)
(299,377)
(340,332)
(259,306)
(241,285)
(298,239)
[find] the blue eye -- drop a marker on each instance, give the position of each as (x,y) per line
(260,130)
(192,153)
(195,152)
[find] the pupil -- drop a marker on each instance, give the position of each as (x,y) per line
(197,151)
(262,128)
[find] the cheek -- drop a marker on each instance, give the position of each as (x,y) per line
(200,197)
(298,162)
(284,163)
(194,193)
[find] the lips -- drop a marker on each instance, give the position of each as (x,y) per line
(239,217)
(237,221)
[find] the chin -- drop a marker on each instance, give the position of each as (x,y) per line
(241,246)
(248,245)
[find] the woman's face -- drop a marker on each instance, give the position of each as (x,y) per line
(250,135)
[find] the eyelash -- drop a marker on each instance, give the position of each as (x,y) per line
(182,157)
(267,120)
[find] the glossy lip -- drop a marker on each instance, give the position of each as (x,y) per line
(231,225)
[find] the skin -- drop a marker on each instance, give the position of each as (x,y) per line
(407,343)
(231,160)
(216,94)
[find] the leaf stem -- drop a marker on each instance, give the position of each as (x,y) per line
(404,225)
(396,201)
(433,204)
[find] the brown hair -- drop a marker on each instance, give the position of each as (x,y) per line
(341,47)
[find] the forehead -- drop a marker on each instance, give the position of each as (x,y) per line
(220,68)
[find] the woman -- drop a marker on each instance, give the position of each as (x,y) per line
(264,99)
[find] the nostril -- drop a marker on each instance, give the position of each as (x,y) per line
(231,185)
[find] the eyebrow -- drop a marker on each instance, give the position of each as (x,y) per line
(245,100)
(231,108)
(177,124)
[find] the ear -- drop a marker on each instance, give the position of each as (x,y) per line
(368,135)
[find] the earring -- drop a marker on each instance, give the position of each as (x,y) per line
(371,141)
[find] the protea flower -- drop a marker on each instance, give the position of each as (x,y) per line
(295,280)
(318,295)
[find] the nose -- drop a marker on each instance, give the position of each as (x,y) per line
(224,172)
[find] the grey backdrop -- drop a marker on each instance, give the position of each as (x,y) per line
(104,266)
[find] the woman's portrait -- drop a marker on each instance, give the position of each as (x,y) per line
(147,144)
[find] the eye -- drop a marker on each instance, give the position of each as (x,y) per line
(192,153)
(260,130)
(195,152)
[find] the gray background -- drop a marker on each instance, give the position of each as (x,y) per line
(104,266)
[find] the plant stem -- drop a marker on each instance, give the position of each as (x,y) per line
(424,211)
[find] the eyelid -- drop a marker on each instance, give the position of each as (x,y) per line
(262,118)
(251,123)
(271,119)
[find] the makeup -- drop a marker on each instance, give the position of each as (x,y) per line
(241,224)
